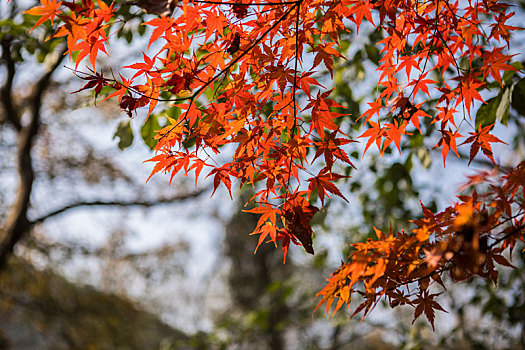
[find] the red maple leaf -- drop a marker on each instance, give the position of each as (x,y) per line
(324,182)
(426,304)
(482,139)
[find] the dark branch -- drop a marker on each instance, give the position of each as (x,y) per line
(515,231)
(17,224)
(44,81)
(6,92)
(135,203)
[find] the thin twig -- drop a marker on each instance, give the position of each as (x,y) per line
(117,203)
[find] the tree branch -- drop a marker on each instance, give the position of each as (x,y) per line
(135,203)
(6,92)
(17,224)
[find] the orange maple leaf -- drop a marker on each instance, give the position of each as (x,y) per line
(48,10)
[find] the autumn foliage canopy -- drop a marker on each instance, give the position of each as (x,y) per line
(242,77)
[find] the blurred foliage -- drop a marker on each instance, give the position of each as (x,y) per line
(148,130)
(125,135)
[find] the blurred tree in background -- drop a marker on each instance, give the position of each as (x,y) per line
(55,165)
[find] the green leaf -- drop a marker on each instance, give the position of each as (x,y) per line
(141,30)
(148,131)
(507,76)
(486,114)
(502,113)
(125,134)
(424,156)
(373,53)
(358,57)
(496,109)
(41,57)
(128,36)
(189,143)
(518,97)
(345,44)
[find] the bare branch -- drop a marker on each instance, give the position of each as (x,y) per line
(6,92)
(116,203)
(17,224)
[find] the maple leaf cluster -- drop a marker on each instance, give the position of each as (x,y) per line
(466,239)
(238,74)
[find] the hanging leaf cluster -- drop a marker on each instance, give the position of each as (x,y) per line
(466,239)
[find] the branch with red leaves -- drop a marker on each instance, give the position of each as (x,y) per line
(238,77)
(465,240)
